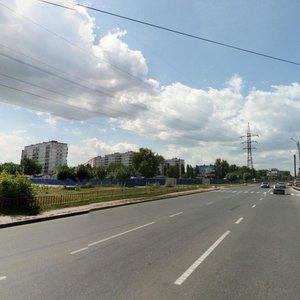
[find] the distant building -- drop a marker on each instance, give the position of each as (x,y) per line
(174,162)
(279,175)
(49,155)
(114,158)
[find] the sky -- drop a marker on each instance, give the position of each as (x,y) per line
(103,84)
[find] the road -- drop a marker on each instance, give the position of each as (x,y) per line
(234,243)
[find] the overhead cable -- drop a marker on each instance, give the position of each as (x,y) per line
(176,32)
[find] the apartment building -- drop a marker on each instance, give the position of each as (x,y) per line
(114,158)
(48,154)
(174,162)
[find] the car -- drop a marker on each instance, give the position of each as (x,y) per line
(265,185)
(279,188)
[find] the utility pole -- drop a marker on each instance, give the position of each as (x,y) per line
(298,146)
(295,173)
(249,146)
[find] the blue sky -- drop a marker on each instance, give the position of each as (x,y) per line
(104,84)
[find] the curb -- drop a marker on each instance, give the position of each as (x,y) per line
(109,206)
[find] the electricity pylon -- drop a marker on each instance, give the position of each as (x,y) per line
(249,146)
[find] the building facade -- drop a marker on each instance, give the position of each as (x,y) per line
(49,155)
(174,162)
(114,158)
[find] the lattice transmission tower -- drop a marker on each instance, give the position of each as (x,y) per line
(249,147)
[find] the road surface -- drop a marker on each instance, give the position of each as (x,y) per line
(234,243)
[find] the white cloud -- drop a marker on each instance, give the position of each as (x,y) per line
(11,145)
(91,147)
(110,80)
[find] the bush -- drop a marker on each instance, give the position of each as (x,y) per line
(15,191)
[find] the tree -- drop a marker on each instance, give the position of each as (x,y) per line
(247,176)
(83,172)
(30,166)
(100,172)
(146,162)
(10,168)
(16,190)
(173,171)
(231,176)
(64,173)
(222,168)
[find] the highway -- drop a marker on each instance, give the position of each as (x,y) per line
(233,243)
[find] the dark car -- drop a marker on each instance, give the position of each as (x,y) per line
(265,185)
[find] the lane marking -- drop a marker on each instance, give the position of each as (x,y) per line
(79,250)
(109,238)
(252,192)
(239,220)
(3,277)
(245,192)
(261,199)
(196,264)
(209,203)
(119,234)
(253,205)
(176,214)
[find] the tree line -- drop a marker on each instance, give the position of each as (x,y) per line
(145,163)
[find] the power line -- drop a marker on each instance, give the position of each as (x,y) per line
(177,32)
(71,43)
(68,80)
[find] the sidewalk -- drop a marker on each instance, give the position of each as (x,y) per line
(8,221)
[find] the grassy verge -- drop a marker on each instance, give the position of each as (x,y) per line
(50,198)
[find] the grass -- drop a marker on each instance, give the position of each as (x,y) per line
(55,197)
(60,197)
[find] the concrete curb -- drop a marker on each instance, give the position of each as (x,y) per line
(104,205)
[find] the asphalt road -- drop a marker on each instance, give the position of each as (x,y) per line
(236,243)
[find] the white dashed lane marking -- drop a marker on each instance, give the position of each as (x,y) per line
(239,220)
(196,264)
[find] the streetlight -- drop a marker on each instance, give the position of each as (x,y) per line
(298,146)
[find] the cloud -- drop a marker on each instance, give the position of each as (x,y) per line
(63,72)
(11,145)
(91,147)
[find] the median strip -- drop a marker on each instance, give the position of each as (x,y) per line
(196,264)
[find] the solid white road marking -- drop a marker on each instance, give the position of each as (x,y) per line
(119,234)
(239,220)
(79,250)
(196,264)
(3,277)
(253,205)
(176,214)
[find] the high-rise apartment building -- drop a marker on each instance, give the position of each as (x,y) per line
(114,158)
(48,154)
